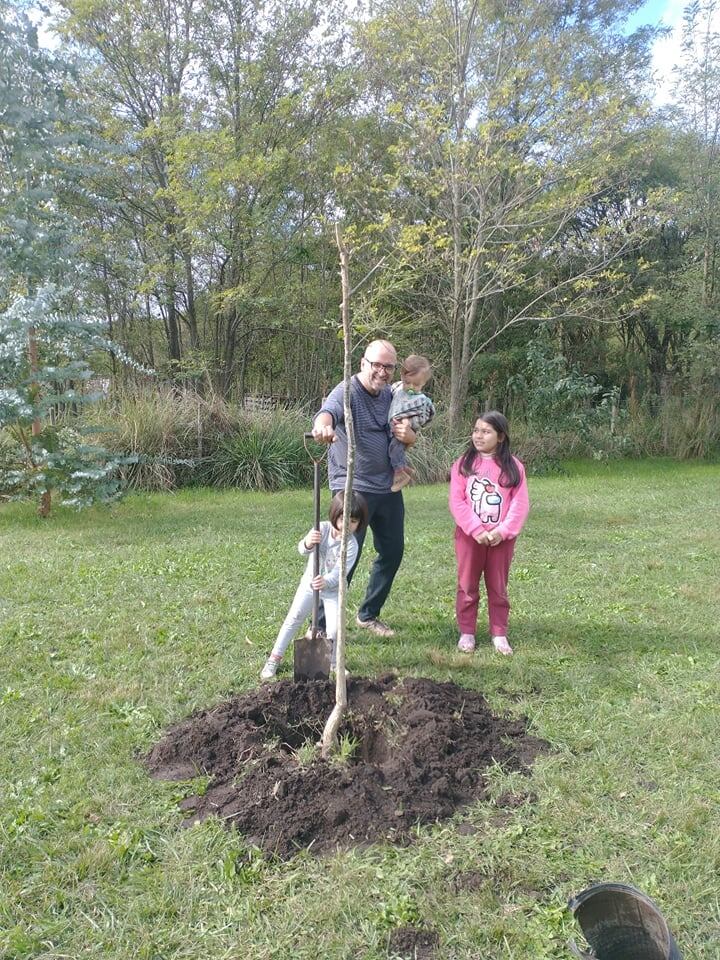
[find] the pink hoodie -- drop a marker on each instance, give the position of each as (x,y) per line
(479,502)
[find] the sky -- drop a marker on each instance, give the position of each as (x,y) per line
(666,52)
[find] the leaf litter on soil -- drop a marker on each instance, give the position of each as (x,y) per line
(420,749)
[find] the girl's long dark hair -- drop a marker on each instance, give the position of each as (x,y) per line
(509,473)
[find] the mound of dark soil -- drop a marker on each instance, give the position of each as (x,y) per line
(419,751)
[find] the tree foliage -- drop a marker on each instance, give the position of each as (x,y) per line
(509,147)
(42,372)
(503,175)
(45,335)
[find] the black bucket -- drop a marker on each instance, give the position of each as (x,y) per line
(621,923)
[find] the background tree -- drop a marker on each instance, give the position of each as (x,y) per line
(500,164)
(698,104)
(47,147)
(138,79)
(505,136)
(220,112)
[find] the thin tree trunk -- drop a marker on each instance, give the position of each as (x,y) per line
(456,339)
(172,328)
(45,496)
(329,737)
(109,313)
(191,318)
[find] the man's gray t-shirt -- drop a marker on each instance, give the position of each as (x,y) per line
(373,471)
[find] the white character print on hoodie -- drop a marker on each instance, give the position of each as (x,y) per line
(486,500)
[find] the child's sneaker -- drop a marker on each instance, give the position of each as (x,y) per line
(466,643)
(270,669)
(502,646)
(401,478)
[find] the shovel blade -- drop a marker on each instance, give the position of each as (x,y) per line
(312,658)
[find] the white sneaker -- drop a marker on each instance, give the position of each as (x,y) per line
(466,643)
(270,668)
(502,646)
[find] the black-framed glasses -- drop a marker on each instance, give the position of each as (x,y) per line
(381,367)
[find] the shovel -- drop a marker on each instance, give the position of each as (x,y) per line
(312,655)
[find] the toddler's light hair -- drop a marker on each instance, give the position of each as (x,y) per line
(415,364)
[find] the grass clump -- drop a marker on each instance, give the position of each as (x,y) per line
(265,453)
(169,432)
(347,747)
(181,438)
(307,753)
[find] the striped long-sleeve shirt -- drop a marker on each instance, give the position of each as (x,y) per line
(373,471)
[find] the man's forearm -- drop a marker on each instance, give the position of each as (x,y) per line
(322,420)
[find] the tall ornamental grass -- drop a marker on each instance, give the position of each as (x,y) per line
(262,452)
(167,431)
(183,439)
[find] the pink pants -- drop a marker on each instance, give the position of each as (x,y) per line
(473,561)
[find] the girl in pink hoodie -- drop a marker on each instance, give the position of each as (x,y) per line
(489,502)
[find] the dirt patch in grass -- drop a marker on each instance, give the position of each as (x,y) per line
(413,943)
(414,751)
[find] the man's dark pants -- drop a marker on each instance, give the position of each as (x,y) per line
(386,519)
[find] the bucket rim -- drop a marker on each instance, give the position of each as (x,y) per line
(610,887)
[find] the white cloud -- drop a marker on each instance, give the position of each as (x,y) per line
(46,37)
(667,52)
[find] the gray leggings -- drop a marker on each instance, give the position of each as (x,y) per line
(300,609)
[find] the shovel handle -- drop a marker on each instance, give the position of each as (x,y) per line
(316,549)
(319,443)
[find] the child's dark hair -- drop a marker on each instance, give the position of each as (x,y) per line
(358,509)
(509,473)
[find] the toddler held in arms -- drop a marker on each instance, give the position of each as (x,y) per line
(410,403)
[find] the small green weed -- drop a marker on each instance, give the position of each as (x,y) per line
(346,749)
(307,752)
(399,910)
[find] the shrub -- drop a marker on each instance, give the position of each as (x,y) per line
(170,433)
(265,452)
(435,452)
(679,427)
(10,455)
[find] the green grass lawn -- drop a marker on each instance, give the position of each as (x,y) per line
(115,623)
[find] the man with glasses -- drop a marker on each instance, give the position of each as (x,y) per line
(370,398)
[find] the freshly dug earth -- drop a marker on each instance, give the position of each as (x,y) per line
(418,750)
(413,943)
